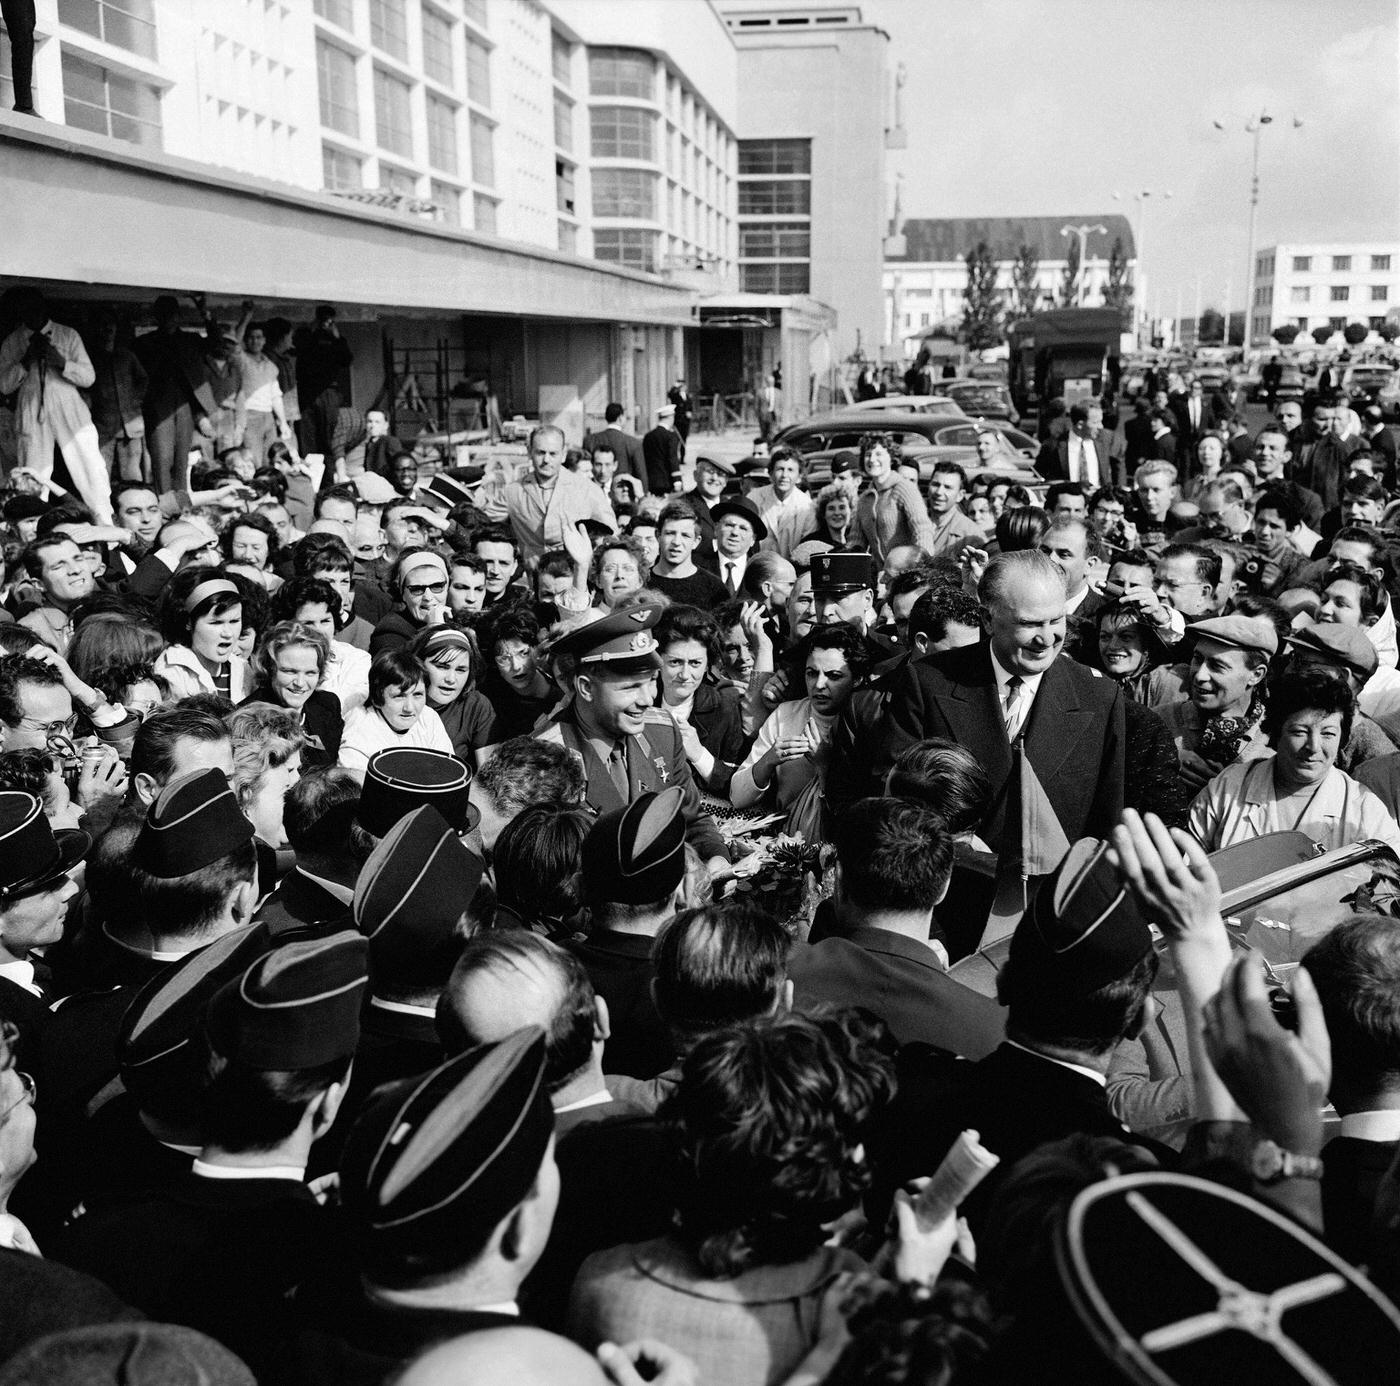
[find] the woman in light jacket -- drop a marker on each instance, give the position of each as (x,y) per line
(202,619)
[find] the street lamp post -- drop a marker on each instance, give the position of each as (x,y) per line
(1140,279)
(1083,231)
(1253,126)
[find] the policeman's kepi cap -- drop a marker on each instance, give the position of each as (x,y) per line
(843,572)
(621,643)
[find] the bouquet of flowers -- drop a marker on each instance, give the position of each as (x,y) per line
(788,876)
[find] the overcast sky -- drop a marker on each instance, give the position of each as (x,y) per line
(1050,106)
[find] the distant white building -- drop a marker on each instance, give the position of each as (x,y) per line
(1324,286)
(924,281)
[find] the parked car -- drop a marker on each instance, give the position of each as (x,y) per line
(923,438)
(981,399)
(910,404)
(1389,396)
(1290,384)
(1363,384)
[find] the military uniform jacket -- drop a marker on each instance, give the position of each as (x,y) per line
(218,1255)
(655,760)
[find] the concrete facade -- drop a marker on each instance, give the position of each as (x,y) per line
(1324,286)
(818,72)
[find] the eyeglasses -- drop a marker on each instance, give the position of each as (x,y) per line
(422,589)
(51,730)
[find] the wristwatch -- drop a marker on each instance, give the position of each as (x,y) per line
(1270,1164)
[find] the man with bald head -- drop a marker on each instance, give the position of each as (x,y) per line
(1018,706)
(531,1357)
(507,978)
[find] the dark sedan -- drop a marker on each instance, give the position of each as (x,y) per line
(923,438)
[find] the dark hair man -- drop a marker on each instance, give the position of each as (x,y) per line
(895,860)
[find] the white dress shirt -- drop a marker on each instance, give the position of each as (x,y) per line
(732,568)
(1383,1125)
(21,973)
(1030,686)
(1083,461)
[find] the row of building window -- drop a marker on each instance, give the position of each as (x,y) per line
(393,119)
(389,34)
(1303,264)
(126,24)
(775,180)
(1337,293)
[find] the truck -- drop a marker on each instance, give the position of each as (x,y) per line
(1065,353)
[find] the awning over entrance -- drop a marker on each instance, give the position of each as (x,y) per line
(79,210)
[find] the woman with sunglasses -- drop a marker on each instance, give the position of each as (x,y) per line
(420,582)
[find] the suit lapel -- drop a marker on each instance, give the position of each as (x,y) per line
(1056,724)
(974,714)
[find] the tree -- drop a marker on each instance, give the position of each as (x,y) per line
(1389,330)
(1069,285)
(1355,333)
(1211,327)
(982,304)
(1287,334)
(1118,291)
(1321,334)
(1025,288)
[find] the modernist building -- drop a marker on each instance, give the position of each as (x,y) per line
(1324,286)
(926,269)
(544,191)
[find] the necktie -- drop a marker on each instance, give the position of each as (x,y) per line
(1011,706)
(617,768)
(1195,414)
(729,581)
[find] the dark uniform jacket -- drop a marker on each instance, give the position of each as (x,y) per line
(655,759)
(1352,1170)
(218,1255)
(661,450)
(352,1340)
(1015,1099)
(619,966)
(299,904)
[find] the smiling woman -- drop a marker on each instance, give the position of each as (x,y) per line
(1300,789)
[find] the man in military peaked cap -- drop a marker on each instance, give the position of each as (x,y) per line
(222,1248)
(450,1186)
(627,745)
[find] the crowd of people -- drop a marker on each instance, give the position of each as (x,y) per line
(459,925)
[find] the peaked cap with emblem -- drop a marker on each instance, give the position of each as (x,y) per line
(296,1007)
(193,822)
(1083,929)
(1180,1281)
(33,857)
(622,641)
(842,572)
(636,855)
(411,892)
(400,779)
(155,1043)
(434,1163)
